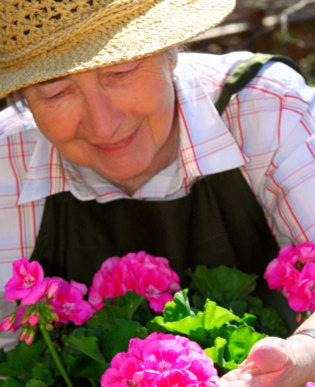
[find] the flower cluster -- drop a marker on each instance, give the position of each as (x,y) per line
(293,273)
(161,360)
(139,272)
(68,303)
(42,300)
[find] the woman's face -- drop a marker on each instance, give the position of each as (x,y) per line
(117,120)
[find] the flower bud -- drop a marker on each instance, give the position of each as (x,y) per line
(33,319)
(53,287)
(53,317)
(23,333)
(49,327)
(24,319)
(29,338)
(8,323)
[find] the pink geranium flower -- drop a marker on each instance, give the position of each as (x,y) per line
(139,272)
(303,296)
(306,252)
(276,273)
(27,283)
(161,360)
(293,273)
(69,304)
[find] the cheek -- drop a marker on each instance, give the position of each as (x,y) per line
(153,98)
(58,125)
(163,106)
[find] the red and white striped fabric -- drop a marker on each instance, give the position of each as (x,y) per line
(267,130)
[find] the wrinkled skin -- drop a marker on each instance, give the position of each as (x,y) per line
(274,362)
(119,121)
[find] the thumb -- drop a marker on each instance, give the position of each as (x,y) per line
(269,354)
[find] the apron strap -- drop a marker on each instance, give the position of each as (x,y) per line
(245,72)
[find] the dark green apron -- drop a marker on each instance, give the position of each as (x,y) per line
(219,223)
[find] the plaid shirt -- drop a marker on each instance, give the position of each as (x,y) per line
(267,130)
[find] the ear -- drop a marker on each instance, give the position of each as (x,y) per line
(172,55)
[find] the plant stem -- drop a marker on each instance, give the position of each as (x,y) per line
(93,383)
(56,358)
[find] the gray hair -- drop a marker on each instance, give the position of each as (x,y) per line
(16,100)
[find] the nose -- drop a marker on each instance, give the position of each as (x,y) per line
(101,118)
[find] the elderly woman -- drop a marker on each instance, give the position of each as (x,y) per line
(114,145)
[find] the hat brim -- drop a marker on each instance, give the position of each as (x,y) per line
(164,25)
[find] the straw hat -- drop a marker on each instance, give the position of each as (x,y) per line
(44,39)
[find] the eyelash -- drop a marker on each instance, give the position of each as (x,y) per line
(122,74)
(59,94)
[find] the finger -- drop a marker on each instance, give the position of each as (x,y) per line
(269,354)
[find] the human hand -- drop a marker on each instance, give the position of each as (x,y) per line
(275,362)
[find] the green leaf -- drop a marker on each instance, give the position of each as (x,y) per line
(102,318)
(118,336)
(121,307)
(226,337)
(197,326)
(21,359)
(268,319)
(249,319)
(125,306)
(239,307)
(179,308)
(216,316)
(11,383)
(222,284)
(217,351)
(231,346)
(229,365)
(84,367)
(240,343)
(41,372)
(271,323)
(35,383)
(88,345)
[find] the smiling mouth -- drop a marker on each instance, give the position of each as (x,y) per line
(119,145)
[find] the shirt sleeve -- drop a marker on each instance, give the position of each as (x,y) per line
(274,123)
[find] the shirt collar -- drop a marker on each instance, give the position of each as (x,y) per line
(15,121)
(206,146)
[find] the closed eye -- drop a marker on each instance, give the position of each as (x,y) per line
(117,76)
(57,95)
(54,89)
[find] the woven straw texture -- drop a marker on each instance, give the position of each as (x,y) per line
(44,39)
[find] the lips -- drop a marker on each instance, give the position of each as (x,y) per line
(117,146)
